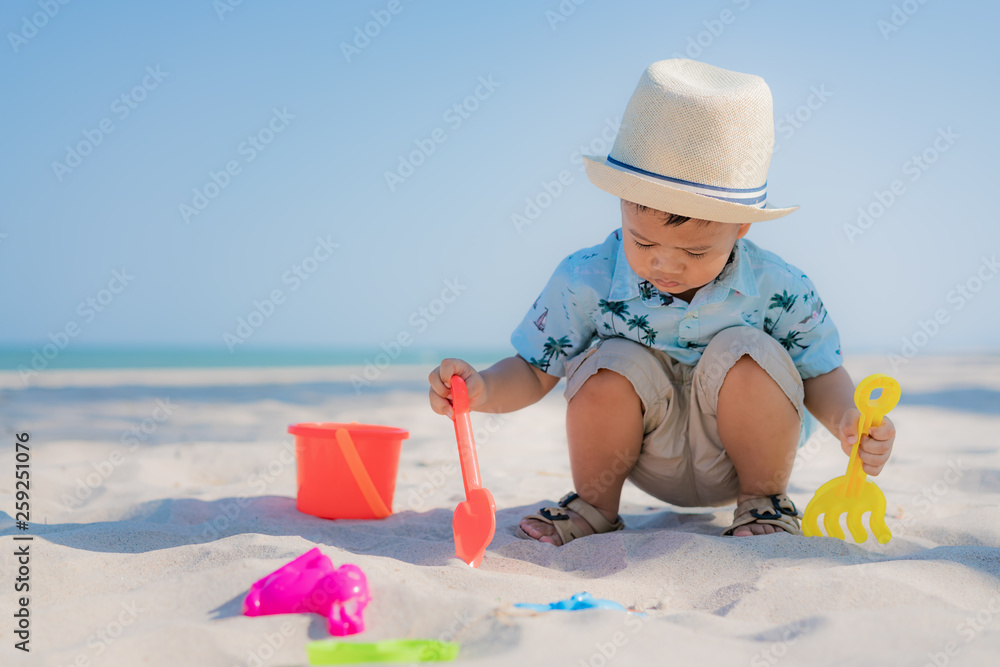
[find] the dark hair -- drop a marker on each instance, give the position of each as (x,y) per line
(669,219)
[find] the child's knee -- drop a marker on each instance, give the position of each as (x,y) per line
(603,390)
(747,379)
(749,364)
(746,374)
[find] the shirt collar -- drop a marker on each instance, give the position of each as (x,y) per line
(737,275)
(624,281)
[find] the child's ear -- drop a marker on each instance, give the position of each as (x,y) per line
(744,228)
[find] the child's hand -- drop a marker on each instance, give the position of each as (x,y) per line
(440,392)
(875,447)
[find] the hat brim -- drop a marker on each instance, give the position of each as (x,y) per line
(654,193)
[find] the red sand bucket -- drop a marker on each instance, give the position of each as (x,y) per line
(346,471)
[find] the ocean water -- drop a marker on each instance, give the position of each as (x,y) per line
(50,357)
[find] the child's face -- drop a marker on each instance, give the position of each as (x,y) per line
(678,259)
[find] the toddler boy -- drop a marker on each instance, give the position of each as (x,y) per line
(690,354)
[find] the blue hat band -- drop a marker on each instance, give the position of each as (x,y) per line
(746,196)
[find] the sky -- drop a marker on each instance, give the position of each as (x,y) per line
(241,175)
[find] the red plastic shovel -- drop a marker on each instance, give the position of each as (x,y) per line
(475,519)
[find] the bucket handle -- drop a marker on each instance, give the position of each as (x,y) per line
(357,469)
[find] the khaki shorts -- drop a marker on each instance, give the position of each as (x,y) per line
(682,461)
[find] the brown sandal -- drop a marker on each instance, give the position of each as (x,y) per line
(566,527)
(777,510)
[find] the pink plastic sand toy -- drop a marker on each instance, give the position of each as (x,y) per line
(310,584)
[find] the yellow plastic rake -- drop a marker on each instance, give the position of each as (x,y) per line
(853,493)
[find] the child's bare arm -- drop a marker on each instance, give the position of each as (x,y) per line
(830,398)
(506,386)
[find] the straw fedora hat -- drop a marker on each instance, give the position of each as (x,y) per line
(695,140)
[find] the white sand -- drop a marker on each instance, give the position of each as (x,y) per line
(142,555)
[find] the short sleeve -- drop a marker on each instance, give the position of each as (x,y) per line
(558,325)
(798,320)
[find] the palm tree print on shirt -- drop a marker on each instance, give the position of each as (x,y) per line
(786,302)
(648,292)
(642,322)
(791,339)
(616,308)
(553,350)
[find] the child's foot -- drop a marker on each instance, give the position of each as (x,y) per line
(544,531)
(573,518)
(764,515)
(753,528)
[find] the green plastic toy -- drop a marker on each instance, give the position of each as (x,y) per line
(334,652)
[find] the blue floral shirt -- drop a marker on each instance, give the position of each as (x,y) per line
(594,293)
